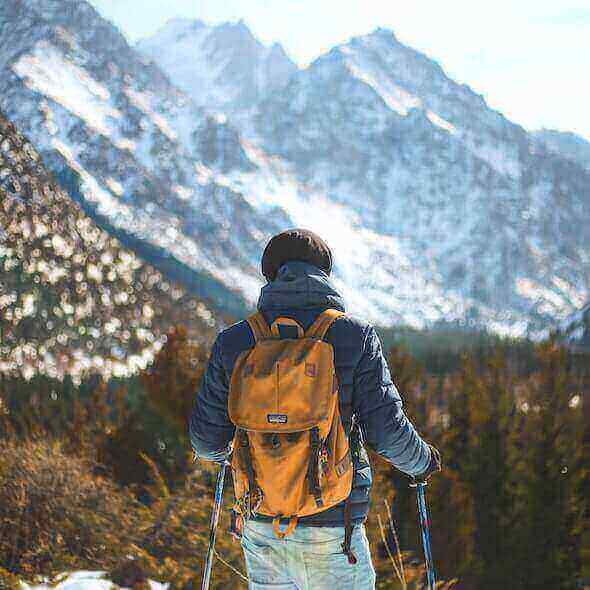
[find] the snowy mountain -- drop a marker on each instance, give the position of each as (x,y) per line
(438,208)
(467,192)
(222,68)
(143,151)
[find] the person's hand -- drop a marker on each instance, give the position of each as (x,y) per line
(434,466)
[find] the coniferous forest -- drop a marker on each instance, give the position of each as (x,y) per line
(99,475)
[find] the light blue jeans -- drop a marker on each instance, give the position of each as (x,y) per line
(310,558)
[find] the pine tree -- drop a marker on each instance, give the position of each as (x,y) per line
(174,378)
(583,486)
(490,472)
(547,478)
(454,491)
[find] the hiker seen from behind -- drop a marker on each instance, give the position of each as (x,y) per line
(295,393)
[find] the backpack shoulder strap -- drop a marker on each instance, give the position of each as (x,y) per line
(259,327)
(322,323)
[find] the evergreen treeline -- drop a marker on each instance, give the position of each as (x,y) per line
(94,474)
(511,508)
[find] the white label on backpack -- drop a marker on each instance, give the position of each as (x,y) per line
(277,418)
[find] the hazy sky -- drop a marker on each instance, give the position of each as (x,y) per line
(530,58)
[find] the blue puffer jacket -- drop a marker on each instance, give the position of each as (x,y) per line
(367,393)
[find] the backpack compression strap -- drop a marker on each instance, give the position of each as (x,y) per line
(322,323)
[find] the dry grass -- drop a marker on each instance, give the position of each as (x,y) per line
(54,510)
(57,514)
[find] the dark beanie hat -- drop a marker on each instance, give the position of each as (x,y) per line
(295,244)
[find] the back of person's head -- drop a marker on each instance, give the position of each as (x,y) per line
(295,244)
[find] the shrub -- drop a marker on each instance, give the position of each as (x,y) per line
(56,514)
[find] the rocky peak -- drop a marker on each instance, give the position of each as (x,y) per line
(222,67)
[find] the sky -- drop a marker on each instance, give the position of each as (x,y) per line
(529,58)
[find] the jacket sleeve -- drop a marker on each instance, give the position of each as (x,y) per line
(210,428)
(378,407)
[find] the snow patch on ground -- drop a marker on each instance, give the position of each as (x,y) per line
(84,580)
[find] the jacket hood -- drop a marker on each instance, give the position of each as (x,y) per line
(299,285)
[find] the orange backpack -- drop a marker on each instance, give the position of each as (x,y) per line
(291,454)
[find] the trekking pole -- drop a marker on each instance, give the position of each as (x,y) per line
(425,526)
(213,525)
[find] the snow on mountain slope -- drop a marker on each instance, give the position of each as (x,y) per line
(405,80)
(475,202)
(222,68)
(71,82)
(438,208)
(567,144)
(372,271)
(160,170)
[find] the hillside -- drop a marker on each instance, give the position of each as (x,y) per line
(89,103)
(472,198)
(72,299)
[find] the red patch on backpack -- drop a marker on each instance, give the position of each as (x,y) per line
(311,369)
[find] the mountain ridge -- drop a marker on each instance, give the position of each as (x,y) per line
(437,207)
(227,50)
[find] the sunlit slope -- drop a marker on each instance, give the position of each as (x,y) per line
(72,300)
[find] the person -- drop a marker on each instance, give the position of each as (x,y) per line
(297,265)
